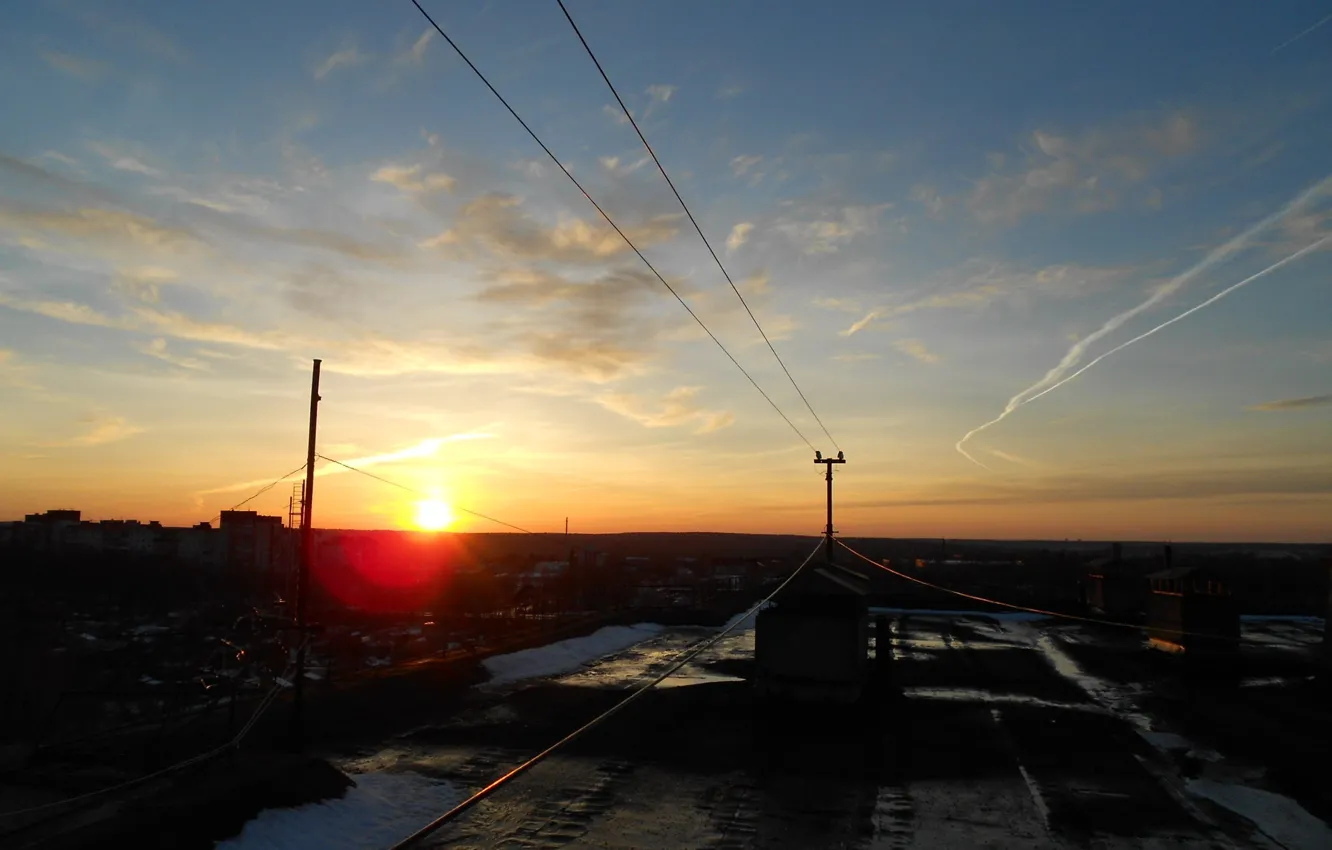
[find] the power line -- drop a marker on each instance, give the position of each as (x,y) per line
(413,490)
(257,493)
(612,223)
(633,123)
(1056,614)
(684,658)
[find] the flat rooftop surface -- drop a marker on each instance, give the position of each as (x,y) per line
(999,732)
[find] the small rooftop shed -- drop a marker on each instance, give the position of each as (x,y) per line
(812,643)
(1188,610)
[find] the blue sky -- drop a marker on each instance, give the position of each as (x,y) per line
(931,207)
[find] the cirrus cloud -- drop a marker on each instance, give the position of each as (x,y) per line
(1302,403)
(676,408)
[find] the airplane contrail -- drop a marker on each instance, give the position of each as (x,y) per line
(1288,42)
(1210,301)
(1056,375)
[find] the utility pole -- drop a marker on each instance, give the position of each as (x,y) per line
(303,575)
(828,532)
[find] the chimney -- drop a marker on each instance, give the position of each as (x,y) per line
(1169,555)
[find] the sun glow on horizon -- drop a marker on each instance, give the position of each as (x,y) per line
(433,515)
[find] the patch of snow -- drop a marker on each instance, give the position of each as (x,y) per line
(149,680)
(87,636)
(694,676)
(984,696)
(1111,696)
(744,621)
(1278,817)
(377,662)
(151,630)
(566,655)
(281,681)
(383,808)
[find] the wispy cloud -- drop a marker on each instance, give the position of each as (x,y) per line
(104,226)
(122,161)
(916,349)
(415,55)
(759,283)
(1302,403)
(146,319)
(501,224)
(830,233)
(744,164)
(102,429)
(419,451)
(863,322)
(412,179)
(157,348)
(1088,173)
(75,66)
(143,283)
(658,96)
(739,235)
(180,326)
(976,285)
(347,57)
(423,449)
(63,311)
(615,165)
(929,198)
(676,408)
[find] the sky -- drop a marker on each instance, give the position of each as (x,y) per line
(937,211)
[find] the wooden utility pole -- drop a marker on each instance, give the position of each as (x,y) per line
(303,573)
(828,532)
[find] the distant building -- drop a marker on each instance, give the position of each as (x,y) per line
(247,543)
(56,516)
(202,546)
(257,546)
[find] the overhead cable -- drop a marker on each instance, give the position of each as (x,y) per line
(634,123)
(417,492)
(612,223)
(684,658)
(257,493)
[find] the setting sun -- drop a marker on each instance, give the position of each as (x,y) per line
(433,515)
